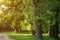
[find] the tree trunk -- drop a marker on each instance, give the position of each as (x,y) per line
(39,29)
(51,27)
(54,28)
(56,24)
(38,11)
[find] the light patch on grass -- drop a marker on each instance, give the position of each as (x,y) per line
(21,34)
(45,34)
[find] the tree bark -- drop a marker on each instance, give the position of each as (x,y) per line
(51,27)
(54,28)
(39,29)
(38,22)
(56,24)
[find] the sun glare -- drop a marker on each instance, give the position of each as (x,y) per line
(3,6)
(0,0)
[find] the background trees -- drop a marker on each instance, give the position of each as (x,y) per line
(41,16)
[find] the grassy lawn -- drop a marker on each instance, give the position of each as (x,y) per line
(19,36)
(28,37)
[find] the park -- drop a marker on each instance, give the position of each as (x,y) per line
(29,19)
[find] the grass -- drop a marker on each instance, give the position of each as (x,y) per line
(28,37)
(19,36)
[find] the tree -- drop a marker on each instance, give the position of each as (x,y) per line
(38,11)
(54,26)
(14,13)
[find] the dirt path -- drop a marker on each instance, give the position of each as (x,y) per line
(4,36)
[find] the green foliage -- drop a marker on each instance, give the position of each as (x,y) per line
(16,12)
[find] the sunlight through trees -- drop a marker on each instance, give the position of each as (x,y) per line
(30,16)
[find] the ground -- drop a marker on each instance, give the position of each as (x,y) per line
(29,37)
(17,36)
